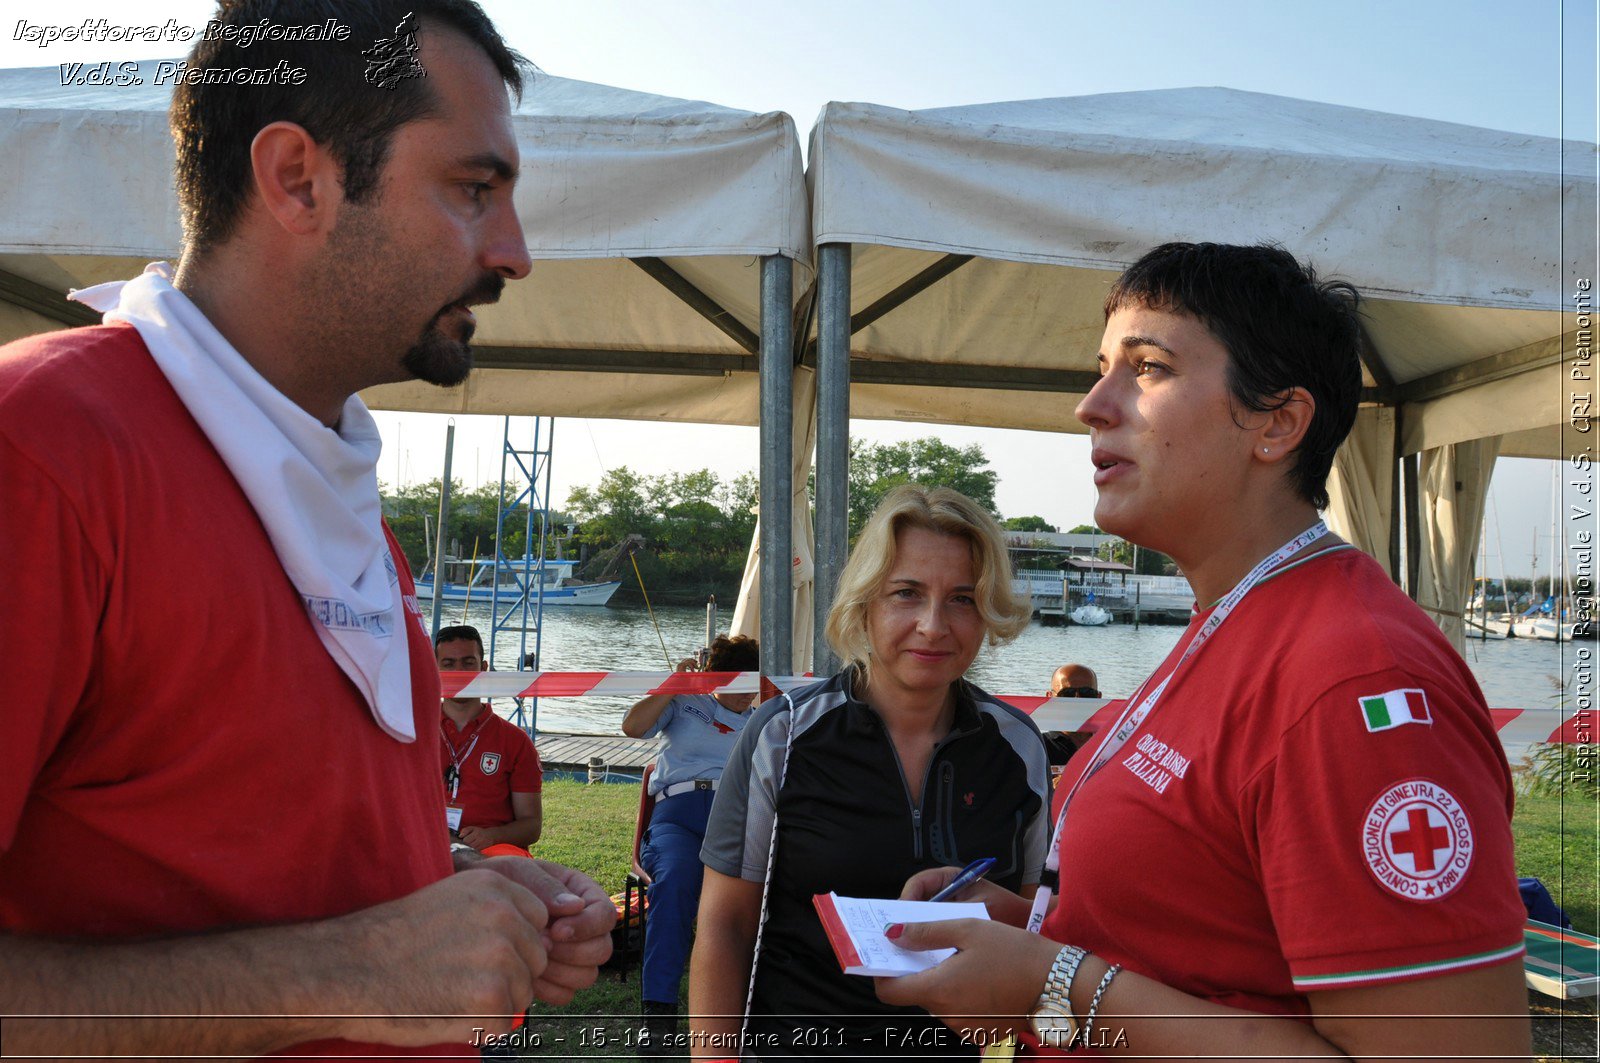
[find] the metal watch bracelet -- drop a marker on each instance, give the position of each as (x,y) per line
(1055,1001)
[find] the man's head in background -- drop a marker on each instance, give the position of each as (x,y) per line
(460,649)
(1074,681)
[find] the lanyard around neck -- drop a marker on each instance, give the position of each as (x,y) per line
(457,758)
(1137,710)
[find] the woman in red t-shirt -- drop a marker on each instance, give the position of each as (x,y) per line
(1298,831)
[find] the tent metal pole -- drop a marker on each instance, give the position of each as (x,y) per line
(911,288)
(901,295)
(46,302)
(1413,527)
(699,302)
(444,524)
(777,463)
(833,441)
(1395,502)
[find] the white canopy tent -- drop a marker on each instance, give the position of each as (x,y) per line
(658,228)
(964,253)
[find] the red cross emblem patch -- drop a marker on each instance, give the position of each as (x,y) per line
(1417,840)
(490,763)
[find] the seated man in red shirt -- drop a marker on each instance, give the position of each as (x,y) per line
(492,776)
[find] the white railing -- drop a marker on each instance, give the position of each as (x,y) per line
(1162,584)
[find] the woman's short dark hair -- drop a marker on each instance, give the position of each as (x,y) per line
(214,124)
(1282,327)
(741,653)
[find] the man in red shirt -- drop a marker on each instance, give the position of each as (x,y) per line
(492,776)
(274,880)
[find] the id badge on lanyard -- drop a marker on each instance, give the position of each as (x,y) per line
(452,776)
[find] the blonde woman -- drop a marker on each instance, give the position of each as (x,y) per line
(895,765)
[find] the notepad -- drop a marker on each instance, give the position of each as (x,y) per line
(855,930)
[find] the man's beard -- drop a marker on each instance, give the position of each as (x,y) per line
(437,358)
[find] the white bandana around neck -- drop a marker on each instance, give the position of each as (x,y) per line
(315,488)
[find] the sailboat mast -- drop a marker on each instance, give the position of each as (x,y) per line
(1481,583)
(1533,578)
(1500,544)
(427,543)
(1555,519)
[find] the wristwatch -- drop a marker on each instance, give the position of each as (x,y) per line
(1051,1018)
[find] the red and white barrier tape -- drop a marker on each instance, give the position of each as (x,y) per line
(1517,727)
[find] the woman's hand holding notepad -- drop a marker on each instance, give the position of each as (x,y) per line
(855,928)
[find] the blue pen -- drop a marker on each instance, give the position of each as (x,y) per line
(969,874)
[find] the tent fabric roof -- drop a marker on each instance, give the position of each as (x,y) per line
(583,145)
(1453,233)
(609,175)
(1402,206)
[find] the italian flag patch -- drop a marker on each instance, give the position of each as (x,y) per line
(1394,709)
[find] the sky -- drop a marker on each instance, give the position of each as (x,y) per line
(1526,66)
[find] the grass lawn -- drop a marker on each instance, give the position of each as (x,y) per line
(591,828)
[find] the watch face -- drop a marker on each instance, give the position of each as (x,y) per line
(1054,1028)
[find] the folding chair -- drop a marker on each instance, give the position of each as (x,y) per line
(627,944)
(1561,963)
(641,820)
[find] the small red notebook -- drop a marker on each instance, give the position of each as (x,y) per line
(855,926)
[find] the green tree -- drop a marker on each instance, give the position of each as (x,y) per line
(696,528)
(1028,524)
(698,532)
(413,513)
(621,505)
(876,469)
(1145,562)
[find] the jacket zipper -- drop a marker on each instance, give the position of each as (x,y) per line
(916,809)
(927,773)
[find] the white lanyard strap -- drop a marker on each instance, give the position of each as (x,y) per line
(1137,711)
(454,775)
(455,758)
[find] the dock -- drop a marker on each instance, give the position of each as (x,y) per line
(612,757)
(1134,599)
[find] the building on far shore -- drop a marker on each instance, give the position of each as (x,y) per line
(1060,571)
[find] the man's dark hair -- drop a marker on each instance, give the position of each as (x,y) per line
(738,654)
(458,631)
(213,125)
(1282,327)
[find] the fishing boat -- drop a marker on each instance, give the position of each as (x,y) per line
(550,579)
